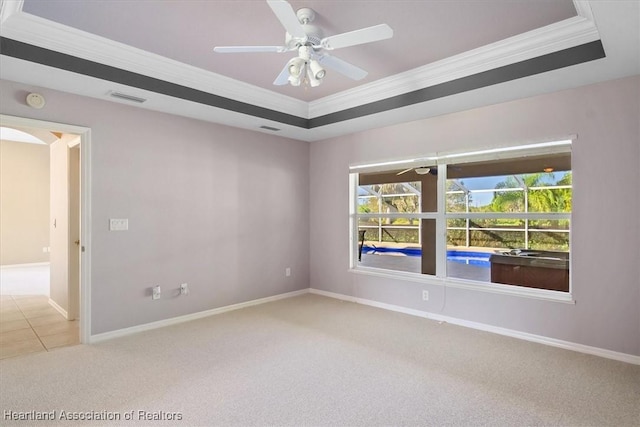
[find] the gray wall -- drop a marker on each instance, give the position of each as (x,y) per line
(226,210)
(606,206)
(223,209)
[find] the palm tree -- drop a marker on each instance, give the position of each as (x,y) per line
(544,200)
(508,201)
(538,200)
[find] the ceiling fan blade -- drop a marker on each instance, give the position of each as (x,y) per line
(343,67)
(352,38)
(404,171)
(249,49)
(288,18)
(283,77)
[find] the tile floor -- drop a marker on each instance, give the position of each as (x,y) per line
(28,324)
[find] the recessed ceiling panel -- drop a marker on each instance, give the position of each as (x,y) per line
(187,31)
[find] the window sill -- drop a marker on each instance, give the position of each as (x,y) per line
(542,294)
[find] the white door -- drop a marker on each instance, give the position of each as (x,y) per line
(65,225)
(75,240)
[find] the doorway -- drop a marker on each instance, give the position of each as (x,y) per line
(69,241)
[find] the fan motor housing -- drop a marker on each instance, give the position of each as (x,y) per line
(314,36)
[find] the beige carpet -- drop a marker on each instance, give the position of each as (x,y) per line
(314,361)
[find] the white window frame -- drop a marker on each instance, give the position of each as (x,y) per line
(441,160)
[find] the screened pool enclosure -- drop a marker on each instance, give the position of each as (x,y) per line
(479,217)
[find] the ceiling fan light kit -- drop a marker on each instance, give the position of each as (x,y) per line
(316,70)
(295,67)
(307,39)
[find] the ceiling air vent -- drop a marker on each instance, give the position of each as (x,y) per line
(126,97)
(269,128)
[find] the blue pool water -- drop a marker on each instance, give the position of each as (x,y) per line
(480,259)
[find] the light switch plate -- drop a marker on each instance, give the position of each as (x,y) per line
(118,224)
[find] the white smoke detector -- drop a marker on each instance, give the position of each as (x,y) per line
(35,100)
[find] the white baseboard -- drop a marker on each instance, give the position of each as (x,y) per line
(188,317)
(27,265)
(61,310)
(581,348)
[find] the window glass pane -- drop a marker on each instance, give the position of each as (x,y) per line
(549,235)
(531,268)
(397,203)
(471,242)
(550,192)
(368,204)
(531,253)
(519,251)
(506,238)
(398,244)
(494,233)
(469,263)
(543,192)
(457,199)
(398,192)
(516,231)
(401,230)
(549,224)
(485,194)
(368,223)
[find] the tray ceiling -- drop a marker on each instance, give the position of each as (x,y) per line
(445,56)
(187,31)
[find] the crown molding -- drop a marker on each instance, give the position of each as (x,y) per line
(583,7)
(46,34)
(54,36)
(551,38)
(9,8)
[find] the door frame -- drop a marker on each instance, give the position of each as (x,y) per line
(85,207)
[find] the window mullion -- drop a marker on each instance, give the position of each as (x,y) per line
(510,215)
(441,223)
(425,215)
(353,218)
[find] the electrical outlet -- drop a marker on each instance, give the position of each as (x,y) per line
(425,295)
(155,292)
(287,271)
(184,289)
(118,224)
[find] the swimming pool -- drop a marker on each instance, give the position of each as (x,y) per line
(480,259)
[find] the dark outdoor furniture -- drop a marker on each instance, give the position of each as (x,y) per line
(533,269)
(360,243)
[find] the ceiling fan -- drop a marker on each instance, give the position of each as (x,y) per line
(421,170)
(307,39)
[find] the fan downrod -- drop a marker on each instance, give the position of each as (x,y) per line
(305,15)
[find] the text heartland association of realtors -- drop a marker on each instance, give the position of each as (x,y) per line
(63,415)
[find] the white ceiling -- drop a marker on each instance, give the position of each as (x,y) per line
(434,42)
